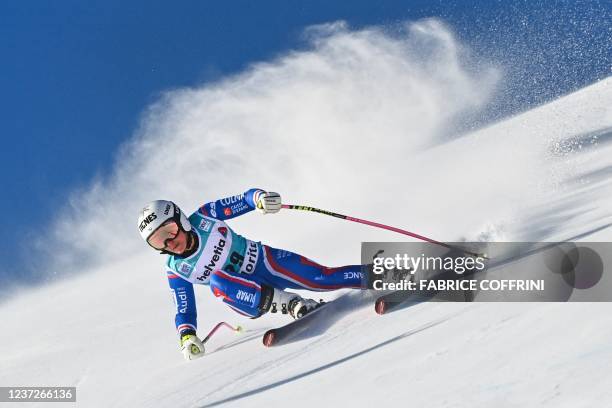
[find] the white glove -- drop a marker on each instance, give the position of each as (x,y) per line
(192,347)
(268,202)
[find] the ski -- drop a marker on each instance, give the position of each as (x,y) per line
(390,301)
(284,334)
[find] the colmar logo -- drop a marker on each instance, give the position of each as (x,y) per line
(245,296)
(231,200)
(150,218)
(227,212)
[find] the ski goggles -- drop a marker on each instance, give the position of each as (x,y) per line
(165,233)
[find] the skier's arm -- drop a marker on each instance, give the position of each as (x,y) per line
(184,298)
(230,207)
(186,317)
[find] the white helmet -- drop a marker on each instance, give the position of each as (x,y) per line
(157,212)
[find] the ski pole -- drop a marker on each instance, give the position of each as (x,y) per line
(378,225)
(237,329)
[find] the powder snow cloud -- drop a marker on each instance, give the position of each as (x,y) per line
(359,121)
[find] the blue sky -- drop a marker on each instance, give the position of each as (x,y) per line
(75,76)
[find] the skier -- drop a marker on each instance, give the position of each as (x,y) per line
(248,276)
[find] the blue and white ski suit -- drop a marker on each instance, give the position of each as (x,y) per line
(243,272)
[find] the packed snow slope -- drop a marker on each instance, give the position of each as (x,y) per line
(369,137)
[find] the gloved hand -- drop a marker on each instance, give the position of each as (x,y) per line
(191,346)
(268,202)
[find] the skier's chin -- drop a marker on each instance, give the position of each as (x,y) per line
(179,249)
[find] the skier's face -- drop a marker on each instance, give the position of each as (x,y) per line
(169,237)
(177,245)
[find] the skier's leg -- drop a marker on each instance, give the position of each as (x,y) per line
(291,270)
(253,299)
(245,296)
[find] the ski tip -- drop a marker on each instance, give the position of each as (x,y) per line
(380,306)
(269,338)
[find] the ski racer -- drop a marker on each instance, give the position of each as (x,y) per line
(250,277)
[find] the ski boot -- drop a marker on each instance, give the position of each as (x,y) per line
(300,307)
(292,303)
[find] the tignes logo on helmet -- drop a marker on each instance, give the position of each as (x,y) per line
(146,221)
